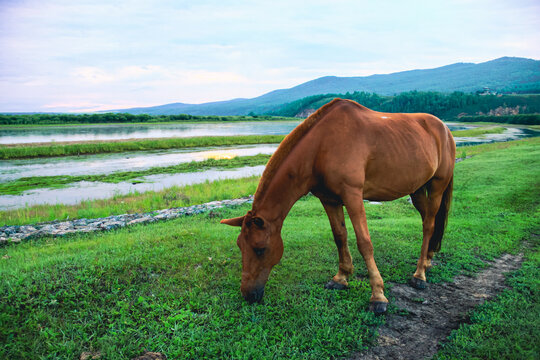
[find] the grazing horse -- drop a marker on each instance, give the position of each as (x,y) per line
(345,153)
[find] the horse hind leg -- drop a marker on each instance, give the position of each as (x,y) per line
(337,223)
(428,200)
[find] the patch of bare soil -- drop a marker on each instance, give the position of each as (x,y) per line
(428,316)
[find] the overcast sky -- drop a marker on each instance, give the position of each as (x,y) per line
(70,55)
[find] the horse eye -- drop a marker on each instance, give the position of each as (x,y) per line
(258,221)
(259,251)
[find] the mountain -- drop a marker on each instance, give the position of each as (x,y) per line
(502,73)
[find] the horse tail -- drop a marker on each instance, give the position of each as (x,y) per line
(441,218)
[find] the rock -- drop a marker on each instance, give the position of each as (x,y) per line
(27,229)
(10,230)
(113,225)
(140,220)
(15,234)
(47,229)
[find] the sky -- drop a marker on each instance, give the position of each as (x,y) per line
(80,56)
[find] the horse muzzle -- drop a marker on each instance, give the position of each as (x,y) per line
(254,295)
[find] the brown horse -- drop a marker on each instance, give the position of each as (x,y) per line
(345,153)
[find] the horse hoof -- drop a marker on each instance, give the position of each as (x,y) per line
(378,307)
(332,285)
(418,283)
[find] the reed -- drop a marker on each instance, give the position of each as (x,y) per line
(101,147)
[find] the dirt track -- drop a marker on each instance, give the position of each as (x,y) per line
(430,315)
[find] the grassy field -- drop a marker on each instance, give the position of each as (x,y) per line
(173,287)
(507,327)
(100,147)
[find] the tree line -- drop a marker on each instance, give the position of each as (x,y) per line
(110,118)
(446,106)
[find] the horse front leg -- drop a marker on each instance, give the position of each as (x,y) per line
(337,223)
(354,202)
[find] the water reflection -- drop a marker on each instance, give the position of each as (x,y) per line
(94,190)
(508,135)
(132,161)
(130,131)
(127,131)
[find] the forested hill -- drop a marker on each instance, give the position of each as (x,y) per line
(446,106)
(505,74)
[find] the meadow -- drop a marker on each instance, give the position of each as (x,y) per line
(173,286)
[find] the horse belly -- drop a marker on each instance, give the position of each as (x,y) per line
(390,180)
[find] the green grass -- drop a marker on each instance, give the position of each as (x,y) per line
(173,286)
(134,203)
(20,185)
(86,148)
(479,131)
(507,327)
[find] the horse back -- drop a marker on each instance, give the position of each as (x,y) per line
(387,155)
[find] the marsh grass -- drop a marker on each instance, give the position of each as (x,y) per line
(20,185)
(173,286)
(176,196)
(99,147)
(479,131)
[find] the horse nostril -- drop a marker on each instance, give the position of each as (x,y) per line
(255,295)
(259,251)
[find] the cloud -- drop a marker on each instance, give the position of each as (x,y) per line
(92,75)
(97,52)
(152,73)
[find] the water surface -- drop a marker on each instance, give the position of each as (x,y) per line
(137,131)
(129,161)
(44,134)
(84,190)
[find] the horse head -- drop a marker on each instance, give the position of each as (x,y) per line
(262,247)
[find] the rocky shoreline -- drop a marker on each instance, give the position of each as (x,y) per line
(18,233)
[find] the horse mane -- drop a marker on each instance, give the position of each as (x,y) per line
(287,145)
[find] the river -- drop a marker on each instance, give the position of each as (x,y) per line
(107,163)
(43,134)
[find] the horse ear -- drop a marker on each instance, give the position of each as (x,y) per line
(234,221)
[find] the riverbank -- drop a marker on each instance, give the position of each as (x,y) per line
(134,202)
(25,151)
(18,233)
(23,184)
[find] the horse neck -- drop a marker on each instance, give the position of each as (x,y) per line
(287,186)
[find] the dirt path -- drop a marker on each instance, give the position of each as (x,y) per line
(430,315)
